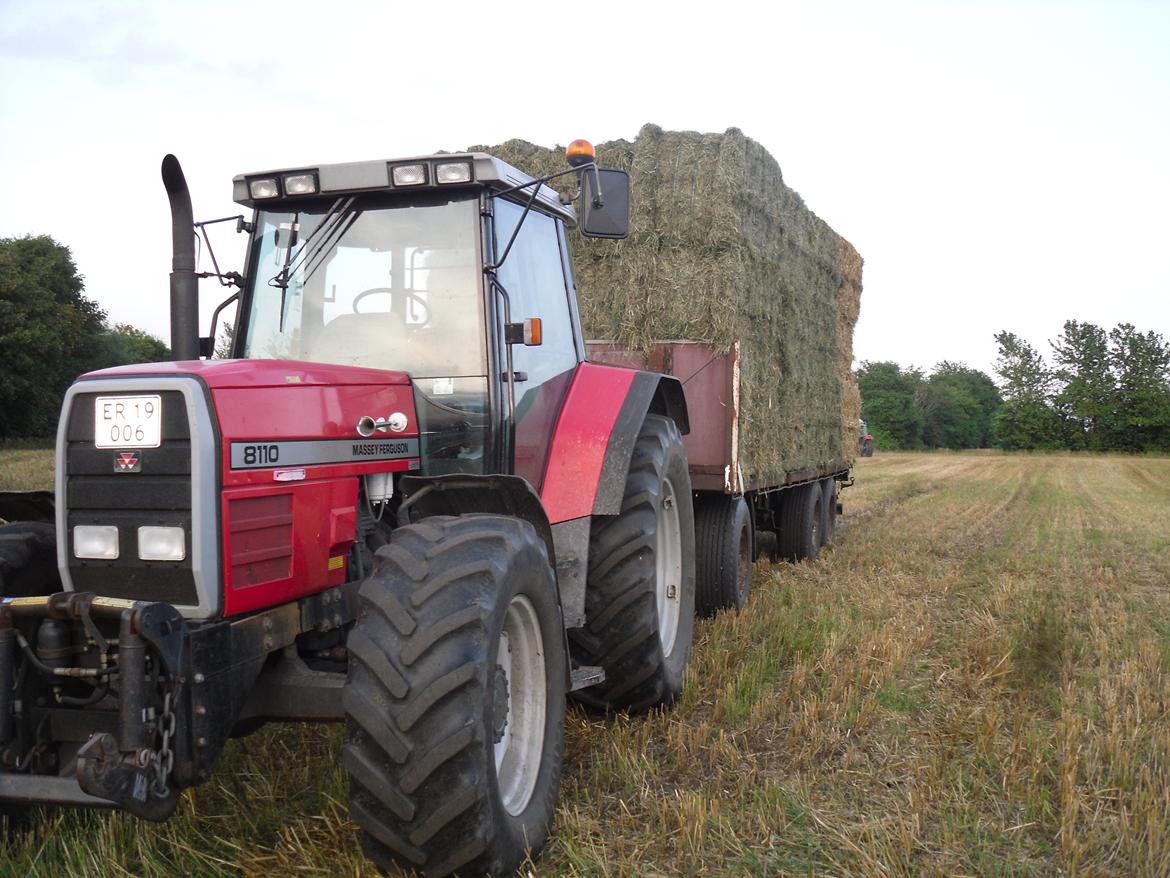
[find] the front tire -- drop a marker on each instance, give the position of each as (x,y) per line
(455,699)
(640,591)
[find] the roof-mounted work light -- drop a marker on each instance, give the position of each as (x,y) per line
(300,184)
(264,188)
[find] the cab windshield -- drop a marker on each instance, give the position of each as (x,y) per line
(377,282)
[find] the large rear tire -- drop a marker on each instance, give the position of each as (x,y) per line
(723,553)
(799,531)
(640,591)
(455,700)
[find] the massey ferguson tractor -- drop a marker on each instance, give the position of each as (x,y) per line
(407,502)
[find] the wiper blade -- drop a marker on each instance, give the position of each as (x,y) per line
(338,212)
(327,229)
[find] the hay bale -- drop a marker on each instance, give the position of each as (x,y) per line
(720,249)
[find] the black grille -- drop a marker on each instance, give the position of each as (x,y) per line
(159,493)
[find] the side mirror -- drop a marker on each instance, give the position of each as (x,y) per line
(612,218)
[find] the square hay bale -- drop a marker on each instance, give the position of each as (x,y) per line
(720,249)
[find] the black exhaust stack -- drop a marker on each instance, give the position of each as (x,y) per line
(184,284)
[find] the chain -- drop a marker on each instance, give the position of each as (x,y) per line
(164,757)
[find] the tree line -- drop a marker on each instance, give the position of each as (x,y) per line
(952,407)
(50,333)
(1102,391)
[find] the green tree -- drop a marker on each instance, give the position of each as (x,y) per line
(1141,367)
(889,402)
(958,404)
(48,332)
(1087,387)
(125,344)
(1026,419)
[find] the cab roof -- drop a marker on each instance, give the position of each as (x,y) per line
(354,178)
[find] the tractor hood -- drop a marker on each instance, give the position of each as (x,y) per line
(223,374)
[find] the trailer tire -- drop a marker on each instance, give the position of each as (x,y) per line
(455,766)
(28,559)
(799,533)
(828,511)
(640,587)
(723,553)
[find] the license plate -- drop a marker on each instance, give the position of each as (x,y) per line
(127,421)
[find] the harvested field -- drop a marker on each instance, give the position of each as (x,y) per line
(975,681)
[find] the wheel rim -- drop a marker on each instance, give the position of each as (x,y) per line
(816,523)
(668,563)
(520,744)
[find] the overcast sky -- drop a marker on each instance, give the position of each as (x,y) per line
(1000,165)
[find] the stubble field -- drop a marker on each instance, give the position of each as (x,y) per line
(974,681)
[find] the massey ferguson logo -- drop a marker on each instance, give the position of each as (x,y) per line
(128,462)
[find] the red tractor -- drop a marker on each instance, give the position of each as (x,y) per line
(407,502)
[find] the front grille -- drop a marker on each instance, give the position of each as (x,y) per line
(159,494)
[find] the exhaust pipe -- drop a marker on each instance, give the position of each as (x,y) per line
(184,284)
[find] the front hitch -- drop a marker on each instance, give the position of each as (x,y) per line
(129,761)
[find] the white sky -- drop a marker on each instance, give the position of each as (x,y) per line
(1000,165)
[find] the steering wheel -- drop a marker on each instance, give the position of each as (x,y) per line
(387,291)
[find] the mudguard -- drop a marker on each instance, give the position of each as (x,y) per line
(590,453)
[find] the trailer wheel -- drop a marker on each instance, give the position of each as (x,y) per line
(640,589)
(828,510)
(455,699)
(799,533)
(723,553)
(28,559)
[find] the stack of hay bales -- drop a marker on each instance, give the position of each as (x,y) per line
(720,250)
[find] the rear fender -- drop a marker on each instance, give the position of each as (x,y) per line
(589,460)
(591,448)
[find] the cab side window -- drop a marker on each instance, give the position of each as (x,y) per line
(534,278)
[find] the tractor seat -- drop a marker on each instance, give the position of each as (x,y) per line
(361,340)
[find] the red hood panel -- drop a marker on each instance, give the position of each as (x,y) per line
(221,374)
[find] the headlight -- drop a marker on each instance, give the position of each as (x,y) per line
(97,541)
(162,544)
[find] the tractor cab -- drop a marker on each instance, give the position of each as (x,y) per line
(453,269)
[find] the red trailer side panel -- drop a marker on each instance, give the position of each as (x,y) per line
(708,376)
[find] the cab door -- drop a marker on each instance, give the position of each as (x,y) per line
(535,277)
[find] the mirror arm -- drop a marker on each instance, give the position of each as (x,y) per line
(597,202)
(538,182)
(231,277)
(515,233)
(215,314)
